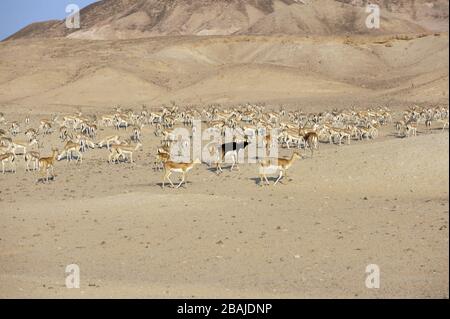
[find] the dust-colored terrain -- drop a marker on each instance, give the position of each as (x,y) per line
(315,73)
(317,54)
(383,201)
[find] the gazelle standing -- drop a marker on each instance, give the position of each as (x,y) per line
(69,149)
(32,157)
(8,158)
(276,166)
(47,163)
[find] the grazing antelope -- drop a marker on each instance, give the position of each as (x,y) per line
(8,158)
(274,166)
(22,146)
(292,138)
(125,151)
(121,122)
(63,133)
(85,143)
(172,167)
(46,127)
(312,141)
(15,128)
(89,129)
(399,127)
(48,163)
(411,129)
(32,157)
(31,134)
(268,142)
(136,134)
(68,151)
(115,139)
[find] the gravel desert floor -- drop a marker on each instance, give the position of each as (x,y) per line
(382,202)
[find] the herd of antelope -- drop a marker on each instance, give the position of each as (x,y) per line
(79,135)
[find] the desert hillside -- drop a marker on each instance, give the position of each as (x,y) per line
(313,54)
(322,72)
(127,19)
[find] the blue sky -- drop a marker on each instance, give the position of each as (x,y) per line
(16,14)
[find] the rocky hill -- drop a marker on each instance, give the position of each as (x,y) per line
(130,19)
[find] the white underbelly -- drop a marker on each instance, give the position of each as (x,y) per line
(230,155)
(269,169)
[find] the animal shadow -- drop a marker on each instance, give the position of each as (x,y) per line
(167,185)
(44,179)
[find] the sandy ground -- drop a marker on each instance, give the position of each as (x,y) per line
(381,202)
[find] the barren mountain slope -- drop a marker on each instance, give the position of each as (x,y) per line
(126,19)
(318,72)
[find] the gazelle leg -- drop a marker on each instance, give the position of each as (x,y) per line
(279,178)
(265,181)
(235,163)
(168,178)
(218,168)
(42,173)
(171,184)
(182,180)
(164,180)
